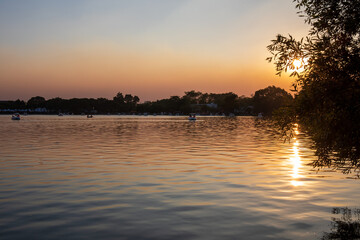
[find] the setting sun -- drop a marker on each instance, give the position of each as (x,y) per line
(297,63)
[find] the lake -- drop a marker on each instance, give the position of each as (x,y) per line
(162,177)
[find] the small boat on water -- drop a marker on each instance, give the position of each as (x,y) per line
(89,116)
(192,117)
(15,116)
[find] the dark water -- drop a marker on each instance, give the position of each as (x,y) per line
(116,177)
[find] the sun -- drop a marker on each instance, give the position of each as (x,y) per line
(297,63)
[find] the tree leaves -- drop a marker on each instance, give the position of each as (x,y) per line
(328,88)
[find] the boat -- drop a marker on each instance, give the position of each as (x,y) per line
(260,115)
(192,117)
(89,116)
(60,114)
(15,116)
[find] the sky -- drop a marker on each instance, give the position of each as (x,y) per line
(150,48)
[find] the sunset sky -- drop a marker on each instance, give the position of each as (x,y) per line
(150,48)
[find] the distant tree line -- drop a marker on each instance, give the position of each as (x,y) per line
(265,101)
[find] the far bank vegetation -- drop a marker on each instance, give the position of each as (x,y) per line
(264,101)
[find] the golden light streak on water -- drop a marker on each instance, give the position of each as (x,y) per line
(296,161)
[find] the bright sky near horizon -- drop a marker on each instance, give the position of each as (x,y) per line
(151,48)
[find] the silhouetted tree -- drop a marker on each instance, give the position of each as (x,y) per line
(270,99)
(191,101)
(136,99)
(227,102)
(55,104)
(192,96)
(128,98)
(345,227)
(327,103)
(204,98)
(18,104)
(36,102)
(119,98)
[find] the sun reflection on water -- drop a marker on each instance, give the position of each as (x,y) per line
(295,160)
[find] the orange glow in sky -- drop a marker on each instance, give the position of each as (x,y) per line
(99,48)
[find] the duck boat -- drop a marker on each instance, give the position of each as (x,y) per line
(192,117)
(15,116)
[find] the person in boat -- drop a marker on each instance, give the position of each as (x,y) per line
(192,116)
(15,116)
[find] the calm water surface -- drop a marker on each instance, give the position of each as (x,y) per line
(116,177)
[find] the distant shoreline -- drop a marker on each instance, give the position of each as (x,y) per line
(111,114)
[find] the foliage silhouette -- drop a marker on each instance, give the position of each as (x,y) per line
(327,85)
(345,227)
(269,99)
(36,102)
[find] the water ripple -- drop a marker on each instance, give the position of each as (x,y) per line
(118,177)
